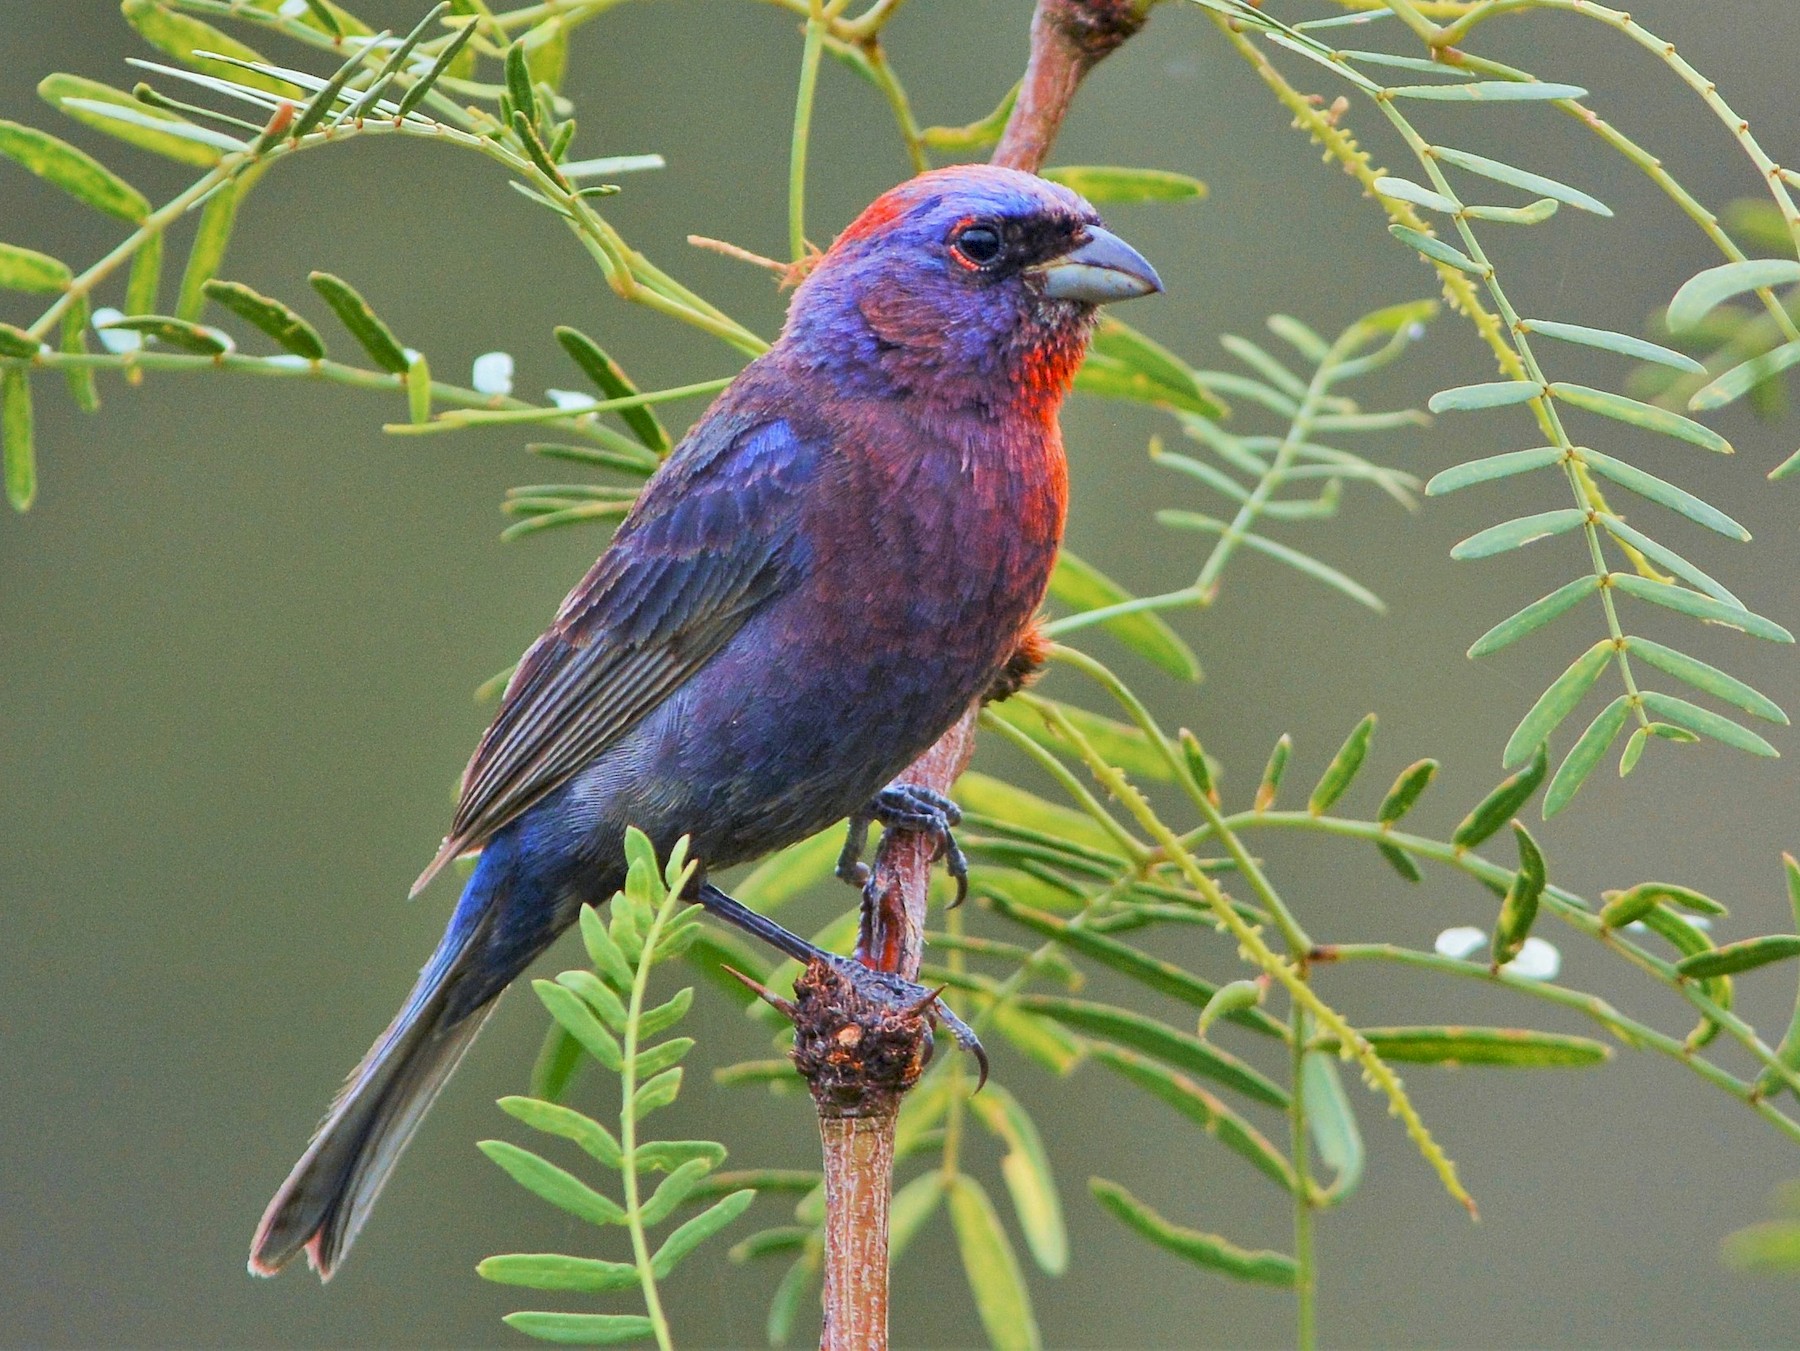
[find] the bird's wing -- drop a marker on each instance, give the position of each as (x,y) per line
(714,537)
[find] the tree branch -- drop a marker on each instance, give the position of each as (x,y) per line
(859,1058)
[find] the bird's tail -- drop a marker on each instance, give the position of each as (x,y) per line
(328,1194)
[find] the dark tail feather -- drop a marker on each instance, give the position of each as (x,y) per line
(328,1194)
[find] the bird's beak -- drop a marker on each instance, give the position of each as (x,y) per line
(1102,269)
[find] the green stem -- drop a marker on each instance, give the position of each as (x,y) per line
(1628,1030)
(1305,1258)
(1586,496)
(634,1216)
(803,111)
(1566,905)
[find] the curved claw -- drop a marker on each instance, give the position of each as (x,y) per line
(965,1037)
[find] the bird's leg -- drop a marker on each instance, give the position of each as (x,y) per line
(882,987)
(907,806)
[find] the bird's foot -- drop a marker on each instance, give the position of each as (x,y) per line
(884,988)
(907,806)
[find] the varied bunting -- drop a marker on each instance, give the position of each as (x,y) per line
(839,558)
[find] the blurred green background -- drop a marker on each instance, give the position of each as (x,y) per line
(240,630)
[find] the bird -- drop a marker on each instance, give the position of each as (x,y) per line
(847,549)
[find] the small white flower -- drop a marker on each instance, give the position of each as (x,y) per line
(570,400)
(292,9)
(1537,960)
(118,341)
(1460,942)
(1699,921)
(288,361)
(493,373)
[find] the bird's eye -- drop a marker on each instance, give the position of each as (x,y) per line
(978,244)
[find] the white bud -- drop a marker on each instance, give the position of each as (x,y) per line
(493,373)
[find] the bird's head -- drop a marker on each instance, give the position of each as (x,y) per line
(970,286)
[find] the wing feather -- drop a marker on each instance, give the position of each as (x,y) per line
(714,537)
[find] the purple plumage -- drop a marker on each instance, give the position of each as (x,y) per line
(838,559)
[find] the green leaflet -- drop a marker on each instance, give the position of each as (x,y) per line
(992,797)
(1642,415)
(424,84)
(1640,898)
(1124,364)
(1122,744)
(1412,781)
(74,171)
(144,283)
(293,333)
(1700,607)
(23,269)
(1742,378)
(1666,557)
(560,1188)
(691,1234)
(1704,292)
(1662,493)
(16,342)
(1585,754)
(1202,1108)
(182,37)
(375,337)
(1152,972)
(1706,678)
(1787,1054)
(1499,806)
(1745,955)
(1081,586)
(558,1062)
(613,383)
(1331,1122)
(17,447)
(1519,907)
(1533,213)
(1704,722)
(1437,250)
(1489,91)
(1607,341)
(573,1013)
(1405,190)
(1104,184)
(1160,1041)
(1343,767)
(553,1271)
(1518,532)
(555,1119)
(1400,861)
(1207,1250)
(1026,1169)
(195,339)
(1270,785)
(1556,703)
(1493,394)
(1300,562)
(1535,615)
(582,1329)
(88,102)
(975,135)
(1510,1047)
(1001,1296)
(1523,179)
(1493,467)
(211,239)
(1772,1246)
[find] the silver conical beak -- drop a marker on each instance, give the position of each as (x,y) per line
(1102,269)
